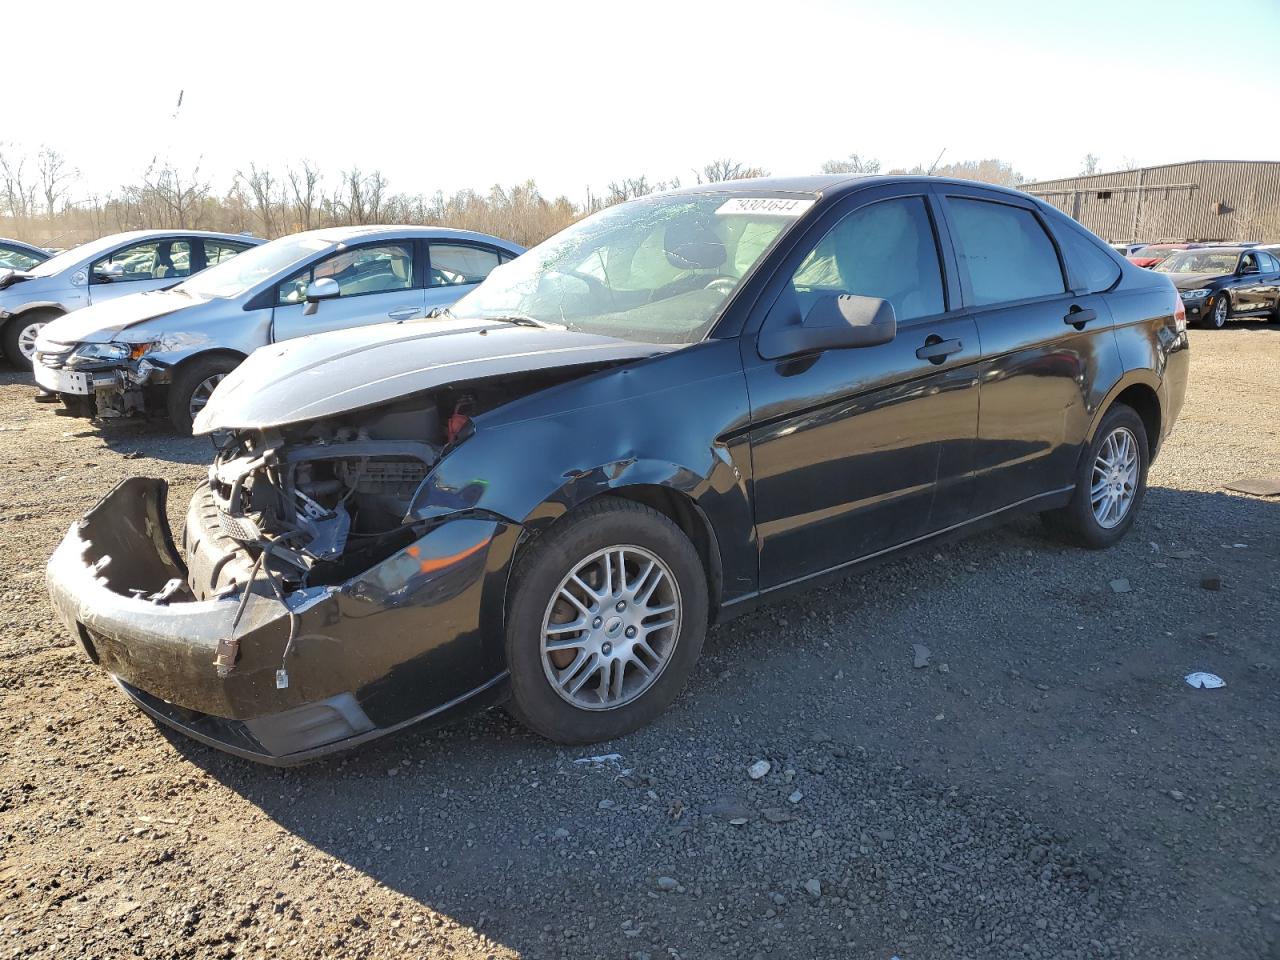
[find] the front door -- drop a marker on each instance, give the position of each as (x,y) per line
(1045,348)
(149,265)
(378,283)
(855,451)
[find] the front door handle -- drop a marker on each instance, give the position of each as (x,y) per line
(936,350)
(1079,316)
(404,313)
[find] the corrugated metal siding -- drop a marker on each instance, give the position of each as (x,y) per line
(1201,200)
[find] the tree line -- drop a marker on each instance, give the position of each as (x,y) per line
(40,199)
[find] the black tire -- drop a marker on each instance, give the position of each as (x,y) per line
(1274,315)
(1221,311)
(545,564)
(13,334)
(189,377)
(1076,522)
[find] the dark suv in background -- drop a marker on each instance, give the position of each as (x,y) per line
(672,410)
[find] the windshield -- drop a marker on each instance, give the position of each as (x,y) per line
(655,270)
(69,258)
(1198,261)
(239,274)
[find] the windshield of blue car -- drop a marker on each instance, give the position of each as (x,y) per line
(241,273)
(655,270)
(1198,261)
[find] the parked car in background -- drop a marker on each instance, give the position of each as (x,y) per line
(1218,284)
(670,411)
(165,351)
(16,255)
(99,271)
(1128,249)
(1153,253)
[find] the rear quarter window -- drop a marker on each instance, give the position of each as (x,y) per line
(1087,263)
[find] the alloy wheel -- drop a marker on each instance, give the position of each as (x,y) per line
(1220,311)
(1114,483)
(200,395)
(611,628)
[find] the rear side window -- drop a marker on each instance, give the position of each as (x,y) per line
(1005,251)
(215,251)
(454,264)
(884,250)
(1091,265)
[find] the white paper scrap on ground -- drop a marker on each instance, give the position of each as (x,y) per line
(1205,681)
(603,758)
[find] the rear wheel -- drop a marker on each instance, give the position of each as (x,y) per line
(607,615)
(192,387)
(20,336)
(1110,483)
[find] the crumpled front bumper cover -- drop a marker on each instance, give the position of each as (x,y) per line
(417,635)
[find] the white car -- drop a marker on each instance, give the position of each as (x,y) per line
(102,270)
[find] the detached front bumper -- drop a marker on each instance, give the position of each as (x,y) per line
(416,636)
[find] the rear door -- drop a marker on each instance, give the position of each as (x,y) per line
(379,282)
(855,451)
(1048,347)
(137,267)
(455,269)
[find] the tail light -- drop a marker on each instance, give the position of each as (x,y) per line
(1180,316)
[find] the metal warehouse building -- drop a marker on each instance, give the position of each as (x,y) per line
(1198,200)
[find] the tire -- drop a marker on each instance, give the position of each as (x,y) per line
(1221,311)
(19,336)
(1079,521)
(190,387)
(608,636)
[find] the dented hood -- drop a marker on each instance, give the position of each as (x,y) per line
(332,373)
(102,321)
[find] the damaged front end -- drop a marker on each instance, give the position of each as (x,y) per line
(310,613)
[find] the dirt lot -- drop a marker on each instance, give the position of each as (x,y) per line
(1048,786)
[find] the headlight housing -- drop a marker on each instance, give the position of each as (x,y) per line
(1195,294)
(97,352)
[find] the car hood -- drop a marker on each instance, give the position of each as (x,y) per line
(333,373)
(9,276)
(100,322)
(1193,281)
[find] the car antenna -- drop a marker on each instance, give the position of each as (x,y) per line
(936,162)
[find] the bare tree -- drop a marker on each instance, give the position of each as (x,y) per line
(717,171)
(55,178)
(1090,165)
(987,171)
(19,190)
(262,187)
(305,186)
(851,164)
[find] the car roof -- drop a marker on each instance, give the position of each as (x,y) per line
(830,185)
(22,245)
(391,231)
(1220,248)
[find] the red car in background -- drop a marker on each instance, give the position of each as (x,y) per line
(1153,253)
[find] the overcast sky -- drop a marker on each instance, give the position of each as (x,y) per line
(452,95)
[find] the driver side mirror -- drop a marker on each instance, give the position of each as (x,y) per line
(834,322)
(109,272)
(324,288)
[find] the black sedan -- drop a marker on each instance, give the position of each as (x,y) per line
(671,411)
(1218,284)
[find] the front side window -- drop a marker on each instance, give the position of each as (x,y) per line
(455,264)
(884,250)
(375,269)
(654,270)
(1005,251)
(153,260)
(1248,263)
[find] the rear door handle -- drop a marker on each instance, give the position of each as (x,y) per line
(404,313)
(936,350)
(1079,316)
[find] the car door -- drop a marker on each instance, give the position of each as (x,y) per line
(1250,284)
(455,269)
(146,265)
(855,451)
(1269,282)
(1048,347)
(378,282)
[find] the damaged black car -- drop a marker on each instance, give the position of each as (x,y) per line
(671,410)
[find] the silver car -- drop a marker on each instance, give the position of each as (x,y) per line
(165,351)
(102,270)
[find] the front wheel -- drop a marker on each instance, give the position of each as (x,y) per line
(1110,483)
(606,619)
(1221,311)
(193,385)
(20,337)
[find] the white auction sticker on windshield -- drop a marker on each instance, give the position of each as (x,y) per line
(767,206)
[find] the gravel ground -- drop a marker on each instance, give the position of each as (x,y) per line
(1046,786)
